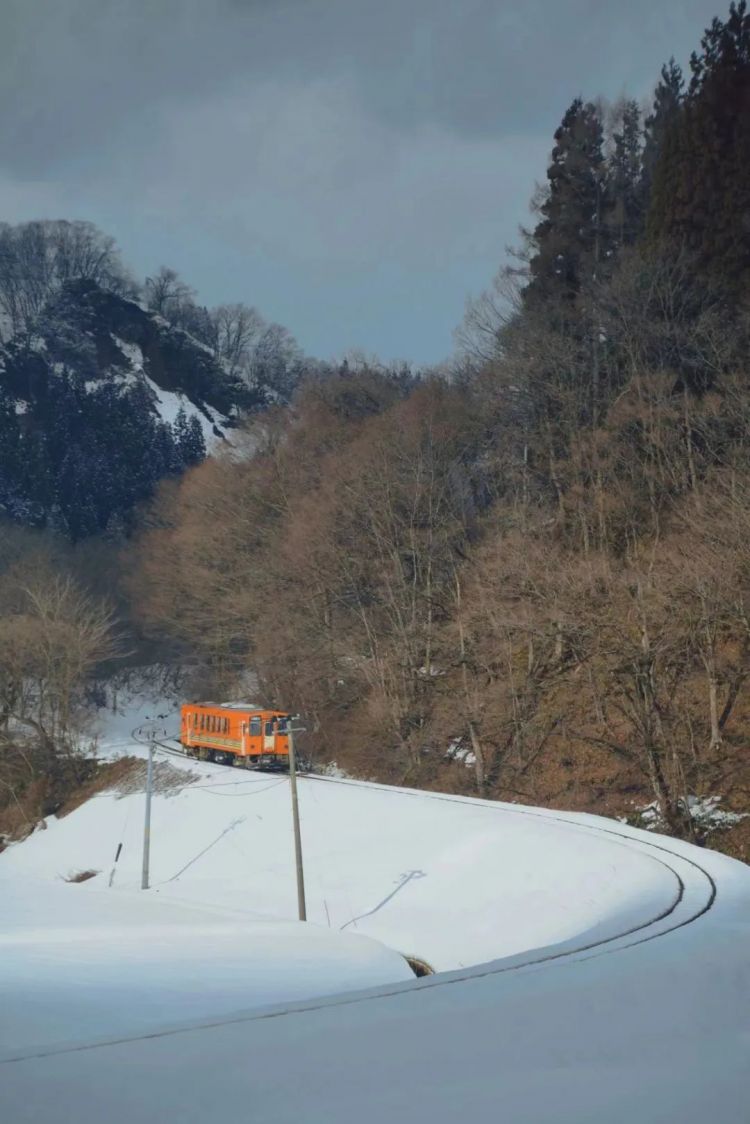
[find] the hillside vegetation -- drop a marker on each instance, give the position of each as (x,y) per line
(530,581)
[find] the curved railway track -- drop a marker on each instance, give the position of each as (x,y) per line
(694,894)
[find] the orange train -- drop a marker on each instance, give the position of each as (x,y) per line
(236,734)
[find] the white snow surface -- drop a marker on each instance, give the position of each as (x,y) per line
(587,971)
(169,402)
(92,963)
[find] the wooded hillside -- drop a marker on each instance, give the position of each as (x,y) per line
(531,580)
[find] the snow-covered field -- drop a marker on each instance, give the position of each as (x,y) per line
(586,971)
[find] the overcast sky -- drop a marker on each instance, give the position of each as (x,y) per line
(354,168)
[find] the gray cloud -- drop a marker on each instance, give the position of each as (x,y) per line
(354,168)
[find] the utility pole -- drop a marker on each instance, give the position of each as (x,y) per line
(301,907)
(149,732)
(147,821)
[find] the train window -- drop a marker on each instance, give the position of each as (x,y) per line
(283,725)
(270,726)
(254,726)
(226,725)
(203,721)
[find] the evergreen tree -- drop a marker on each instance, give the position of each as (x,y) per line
(188,438)
(163,455)
(668,97)
(10,456)
(625,177)
(701,196)
(194,449)
(75,494)
(570,240)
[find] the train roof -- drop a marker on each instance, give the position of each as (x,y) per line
(235,706)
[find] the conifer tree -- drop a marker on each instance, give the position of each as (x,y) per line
(75,496)
(625,177)
(668,97)
(570,238)
(188,437)
(195,448)
(701,196)
(10,455)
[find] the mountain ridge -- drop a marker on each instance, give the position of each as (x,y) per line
(93,377)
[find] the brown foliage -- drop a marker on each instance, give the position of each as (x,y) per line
(53,635)
(493,572)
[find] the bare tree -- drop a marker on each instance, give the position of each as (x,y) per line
(167,294)
(52,635)
(479,334)
(238,328)
(36,258)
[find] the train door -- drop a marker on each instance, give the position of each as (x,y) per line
(282,731)
(255,735)
(269,736)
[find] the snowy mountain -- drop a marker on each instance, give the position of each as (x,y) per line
(97,403)
(89,332)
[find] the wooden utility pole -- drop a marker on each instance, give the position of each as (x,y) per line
(150,731)
(301,906)
(147,820)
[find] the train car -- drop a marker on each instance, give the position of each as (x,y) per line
(236,734)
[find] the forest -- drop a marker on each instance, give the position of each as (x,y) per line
(524,576)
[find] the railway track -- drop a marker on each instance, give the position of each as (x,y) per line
(694,887)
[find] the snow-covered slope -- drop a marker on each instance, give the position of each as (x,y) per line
(449,881)
(104,338)
(588,971)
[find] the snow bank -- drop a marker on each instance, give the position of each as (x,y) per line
(78,963)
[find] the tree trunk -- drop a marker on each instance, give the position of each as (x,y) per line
(713,705)
(479,769)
